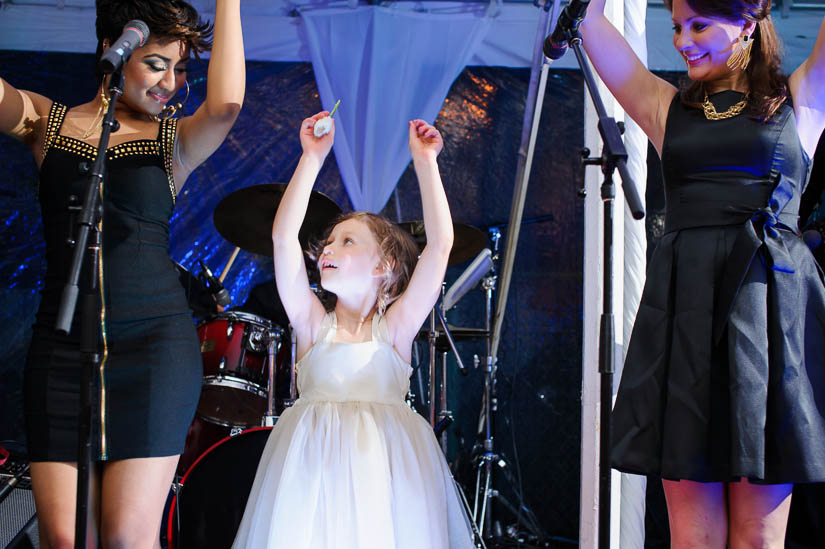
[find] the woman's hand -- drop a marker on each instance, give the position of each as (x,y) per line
(425,140)
(317,147)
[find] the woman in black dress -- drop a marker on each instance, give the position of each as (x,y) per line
(150,377)
(723,389)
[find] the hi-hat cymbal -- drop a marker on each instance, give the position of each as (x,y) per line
(467,240)
(245,217)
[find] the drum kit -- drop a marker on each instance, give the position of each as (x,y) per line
(249,369)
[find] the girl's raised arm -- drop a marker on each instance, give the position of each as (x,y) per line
(202,133)
(407,314)
(303,308)
(644,96)
(23,114)
(807,85)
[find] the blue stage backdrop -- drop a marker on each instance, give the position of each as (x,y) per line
(540,358)
(539,380)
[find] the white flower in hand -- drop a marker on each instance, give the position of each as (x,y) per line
(324,125)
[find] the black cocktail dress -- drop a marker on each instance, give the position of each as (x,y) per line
(149,381)
(725,372)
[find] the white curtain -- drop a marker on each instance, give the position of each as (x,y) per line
(387,66)
(634,487)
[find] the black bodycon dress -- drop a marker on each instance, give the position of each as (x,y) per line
(149,382)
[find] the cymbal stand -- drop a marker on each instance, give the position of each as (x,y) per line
(273,344)
(485,482)
(293,355)
(431,338)
(484,476)
(445,416)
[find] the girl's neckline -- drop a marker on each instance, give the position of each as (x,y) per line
(335,331)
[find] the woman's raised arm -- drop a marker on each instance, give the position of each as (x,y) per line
(202,133)
(644,96)
(807,85)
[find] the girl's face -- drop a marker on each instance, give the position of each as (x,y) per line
(154,74)
(705,42)
(351,261)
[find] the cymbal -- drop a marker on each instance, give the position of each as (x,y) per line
(245,217)
(467,240)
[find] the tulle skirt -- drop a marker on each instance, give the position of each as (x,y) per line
(353,475)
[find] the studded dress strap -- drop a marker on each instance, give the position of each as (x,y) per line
(57,114)
(168,131)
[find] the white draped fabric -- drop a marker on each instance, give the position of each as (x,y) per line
(632,513)
(627,505)
(387,66)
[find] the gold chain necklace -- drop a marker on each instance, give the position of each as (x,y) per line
(711,114)
(104,106)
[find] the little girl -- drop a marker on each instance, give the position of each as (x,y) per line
(349,465)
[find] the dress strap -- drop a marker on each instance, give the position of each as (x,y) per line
(168,134)
(329,325)
(57,113)
(379,328)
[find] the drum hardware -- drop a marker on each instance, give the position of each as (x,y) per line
(198,298)
(293,355)
(465,282)
(273,343)
(293,387)
(215,287)
(489,461)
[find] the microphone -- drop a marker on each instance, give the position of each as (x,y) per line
(135,34)
(468,279)
(214,285)
(569,20)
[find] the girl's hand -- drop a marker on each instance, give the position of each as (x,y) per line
(425,140)
(316,146)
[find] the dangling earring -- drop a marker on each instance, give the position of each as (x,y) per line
(101,112)
(742,56)
(170,110)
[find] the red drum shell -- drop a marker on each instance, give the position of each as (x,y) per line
(234,353)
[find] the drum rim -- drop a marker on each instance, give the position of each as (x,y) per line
(242,316)
(234,382)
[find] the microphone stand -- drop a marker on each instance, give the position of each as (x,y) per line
(89,225)
(614,155)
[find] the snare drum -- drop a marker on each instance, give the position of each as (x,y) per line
(235,373)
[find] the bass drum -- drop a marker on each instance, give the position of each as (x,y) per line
(211,497)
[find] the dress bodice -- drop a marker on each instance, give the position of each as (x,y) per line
(719,172)
(139,279)
(371,371)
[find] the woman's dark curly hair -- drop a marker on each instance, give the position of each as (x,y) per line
(168,20)
(397,249)
(767,83)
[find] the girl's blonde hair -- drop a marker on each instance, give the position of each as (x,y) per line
(397,250)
